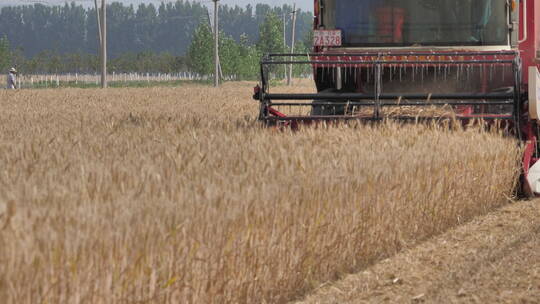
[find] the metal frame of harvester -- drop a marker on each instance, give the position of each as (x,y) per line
(337,68)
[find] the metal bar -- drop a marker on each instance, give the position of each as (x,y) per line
(264,82)
(388,62)
(390,104)
(517,68)
(442,53)
(360,96)
(370,118)
(276,112)
(378,91)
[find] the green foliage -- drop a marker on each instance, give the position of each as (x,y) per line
(238,60)
(229,55)
(142,62)
(308,41)
(299,70)
(147,62)
(201,51)
(271,39)
(5,54)
(271,35)
(147,39)
(248,67)
(168,27)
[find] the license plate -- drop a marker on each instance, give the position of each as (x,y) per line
(327,38)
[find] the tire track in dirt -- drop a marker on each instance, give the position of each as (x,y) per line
(493,259)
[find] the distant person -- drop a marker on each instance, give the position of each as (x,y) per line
(12,79)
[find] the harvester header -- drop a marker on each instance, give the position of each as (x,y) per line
(374,60)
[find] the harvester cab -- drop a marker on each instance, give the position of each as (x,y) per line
(373,60)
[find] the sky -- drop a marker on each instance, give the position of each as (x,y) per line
(303,4)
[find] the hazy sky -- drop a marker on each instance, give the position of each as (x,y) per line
(303,4)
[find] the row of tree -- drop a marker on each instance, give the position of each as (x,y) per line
(239,59)
(169,27)
(52,62)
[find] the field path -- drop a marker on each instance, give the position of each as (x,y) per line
(493,259)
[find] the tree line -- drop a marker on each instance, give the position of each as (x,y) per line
(240,59)
(147,38)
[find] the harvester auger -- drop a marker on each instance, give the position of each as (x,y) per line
(419,60)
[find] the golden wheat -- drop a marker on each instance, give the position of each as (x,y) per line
(177,195)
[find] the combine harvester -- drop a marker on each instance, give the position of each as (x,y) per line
(458,60)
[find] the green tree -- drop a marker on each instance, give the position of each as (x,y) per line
(229,55)
(308,41)
(249,65)
(271,35)
(300,69)
(5,54)
(17,59)
(200,53)
(271,39)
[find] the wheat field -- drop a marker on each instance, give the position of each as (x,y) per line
(177,195)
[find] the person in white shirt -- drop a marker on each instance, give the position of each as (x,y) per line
(12,79)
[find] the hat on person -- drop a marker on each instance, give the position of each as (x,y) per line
(12,70)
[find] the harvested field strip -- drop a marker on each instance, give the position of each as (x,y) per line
(493,259)
(176,195)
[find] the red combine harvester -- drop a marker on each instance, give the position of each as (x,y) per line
(463,60)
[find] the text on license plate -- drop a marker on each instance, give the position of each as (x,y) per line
(327,37)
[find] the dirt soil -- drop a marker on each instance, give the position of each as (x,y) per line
(493,259)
